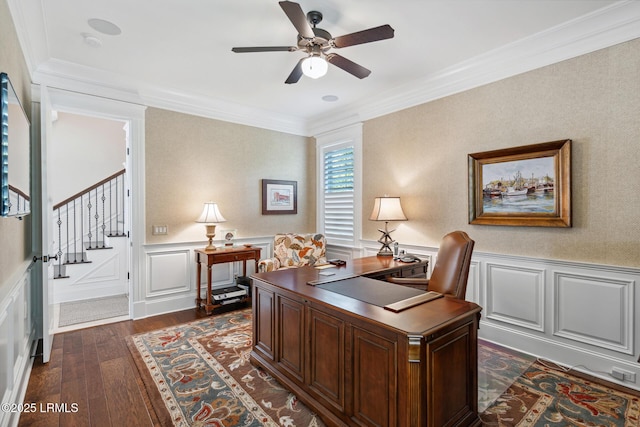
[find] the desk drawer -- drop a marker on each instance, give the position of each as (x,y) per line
(232,257)
(418,270)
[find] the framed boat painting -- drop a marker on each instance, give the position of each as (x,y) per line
(279,197)
(522,186)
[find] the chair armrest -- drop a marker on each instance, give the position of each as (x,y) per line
(268,264)
(413,282)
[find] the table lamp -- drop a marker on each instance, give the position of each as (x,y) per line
(387,209)
(210,217)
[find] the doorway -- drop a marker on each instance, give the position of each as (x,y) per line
(83,114)
(132,115)
(88,187)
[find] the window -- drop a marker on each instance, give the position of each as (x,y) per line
(338,185)
(338,194)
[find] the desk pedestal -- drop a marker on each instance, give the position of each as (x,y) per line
(357,364)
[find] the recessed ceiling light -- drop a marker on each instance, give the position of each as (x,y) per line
(104,27)
(330,98)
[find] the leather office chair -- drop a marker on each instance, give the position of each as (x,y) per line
(451,271)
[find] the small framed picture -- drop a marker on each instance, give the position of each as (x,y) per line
(279,197)
(229,237)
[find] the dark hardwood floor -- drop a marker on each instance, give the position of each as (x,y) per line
(92,374)
(92,380)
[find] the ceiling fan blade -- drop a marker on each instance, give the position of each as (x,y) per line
(382,32)
(298,18)
(264,49)
(295,74)
(347,65)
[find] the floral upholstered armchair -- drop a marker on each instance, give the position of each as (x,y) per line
(295,250)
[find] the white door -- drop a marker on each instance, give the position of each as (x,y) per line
(46,215)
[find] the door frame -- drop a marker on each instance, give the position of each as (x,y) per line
(133,115)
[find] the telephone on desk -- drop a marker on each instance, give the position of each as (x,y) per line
(408,258)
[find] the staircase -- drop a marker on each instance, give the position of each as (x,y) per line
(92,242)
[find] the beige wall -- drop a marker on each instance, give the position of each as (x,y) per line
(191,160)
(15,235)
(420,154)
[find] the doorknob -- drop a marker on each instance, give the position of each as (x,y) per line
(45,258)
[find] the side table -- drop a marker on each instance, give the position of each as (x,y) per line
(221,256)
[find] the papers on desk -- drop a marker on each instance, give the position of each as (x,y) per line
(326,273)
(323,266)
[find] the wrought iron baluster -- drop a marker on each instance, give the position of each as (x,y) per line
(117,211)
(111,207)
(89,235)
(59,222)
(68,244)
(97,217)
(103,198)
(82,225)
(75,231)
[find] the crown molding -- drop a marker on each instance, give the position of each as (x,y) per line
(76,78)
(72,77)
(617,23)
(222,110)
(606,27)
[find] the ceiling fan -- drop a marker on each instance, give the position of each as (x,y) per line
(317,43)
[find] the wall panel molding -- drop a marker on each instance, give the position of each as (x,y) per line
(572,313)
(18,333)
(577,297)
(168,279)
(515,295)
(168,272)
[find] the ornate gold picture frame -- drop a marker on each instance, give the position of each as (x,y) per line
(522,186)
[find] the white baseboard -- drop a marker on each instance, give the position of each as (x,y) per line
(582,360)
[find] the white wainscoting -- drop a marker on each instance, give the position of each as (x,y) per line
(577,314)
(17,333)
(169,276)
(105,275)
(515,295)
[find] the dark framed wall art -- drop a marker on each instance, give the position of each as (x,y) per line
(279,197)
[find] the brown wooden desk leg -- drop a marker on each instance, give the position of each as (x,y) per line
(208,309)
(198,278)
(244,268)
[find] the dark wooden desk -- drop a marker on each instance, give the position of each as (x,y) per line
(357,364)
(382,267)
(220,256)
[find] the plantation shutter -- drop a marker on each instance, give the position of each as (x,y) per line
(338,212)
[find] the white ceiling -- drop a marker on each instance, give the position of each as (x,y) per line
(177,54)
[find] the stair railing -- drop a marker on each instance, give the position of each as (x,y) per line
(22,201)
(86,218)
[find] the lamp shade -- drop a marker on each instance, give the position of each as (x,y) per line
(211,214)
(314,67)
(387,209)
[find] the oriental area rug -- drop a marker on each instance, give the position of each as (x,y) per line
(199,374)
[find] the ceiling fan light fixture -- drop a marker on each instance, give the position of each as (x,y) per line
(314,67)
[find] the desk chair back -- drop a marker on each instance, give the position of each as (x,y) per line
(451,272)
